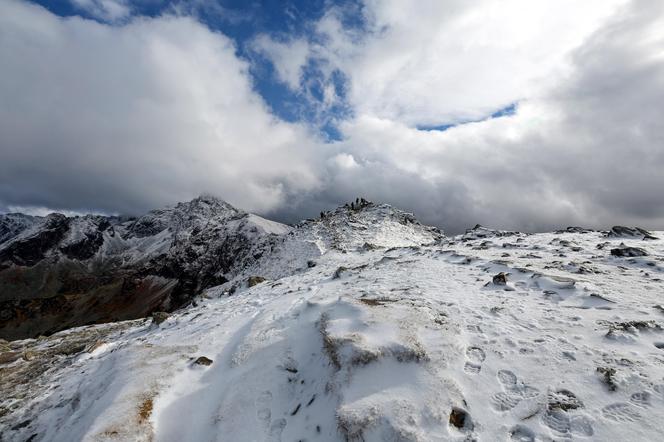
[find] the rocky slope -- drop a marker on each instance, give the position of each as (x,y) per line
(57,272)
(366,325)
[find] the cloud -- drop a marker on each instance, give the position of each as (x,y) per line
(292,58)
(105,10)
(448,61)
(131,117)
(583,146)
(588,150)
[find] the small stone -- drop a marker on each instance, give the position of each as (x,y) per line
(500,279)
(29,355)
(460,419)
(202,360)
(608,377)
(255,280)
(159,317)
(563,400)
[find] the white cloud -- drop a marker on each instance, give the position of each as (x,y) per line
(344,161)
(135,116)
(106,10)
(289,58)
(455,60)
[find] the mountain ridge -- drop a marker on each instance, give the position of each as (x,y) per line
(57,271)
(365,325)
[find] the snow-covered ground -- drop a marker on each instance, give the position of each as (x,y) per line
(371,327)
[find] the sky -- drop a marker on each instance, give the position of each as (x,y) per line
(514,114)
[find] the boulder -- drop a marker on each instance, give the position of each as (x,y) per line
(628,252)
(631,232)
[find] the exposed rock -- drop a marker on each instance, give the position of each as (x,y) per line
(94,346)
(500,279)
(254,280)
(159,317)
(632,326)
(202,360)
(29,355)
(8,357)
(31,247)
(460,419)
(631,232)
(629,252)
(608,374)
(72,348)
(87,237)
(563,400)
(480,232)
(12,224)
(574,229)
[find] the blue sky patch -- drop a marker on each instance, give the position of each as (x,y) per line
(506,111)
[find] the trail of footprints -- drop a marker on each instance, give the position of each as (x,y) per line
(526,401)
(560,408)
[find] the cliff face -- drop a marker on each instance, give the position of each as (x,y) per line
(58,272)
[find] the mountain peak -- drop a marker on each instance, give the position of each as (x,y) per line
(363,223)
(207,202)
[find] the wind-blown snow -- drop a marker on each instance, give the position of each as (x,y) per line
(380,329)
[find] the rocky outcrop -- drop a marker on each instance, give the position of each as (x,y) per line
(29,248)
(12,224)
(628,252)
(481,232)
(629,232)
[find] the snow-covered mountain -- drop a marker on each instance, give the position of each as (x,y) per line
(365,325)
(58,272)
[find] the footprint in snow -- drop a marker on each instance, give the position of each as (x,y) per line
(559,418)
(582,426)
(621,412)
(563,423)
(503,401)
(474,328)
(506,378)
(642,399)
(475,356)
(514,392)
(263,409)
(276,429)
